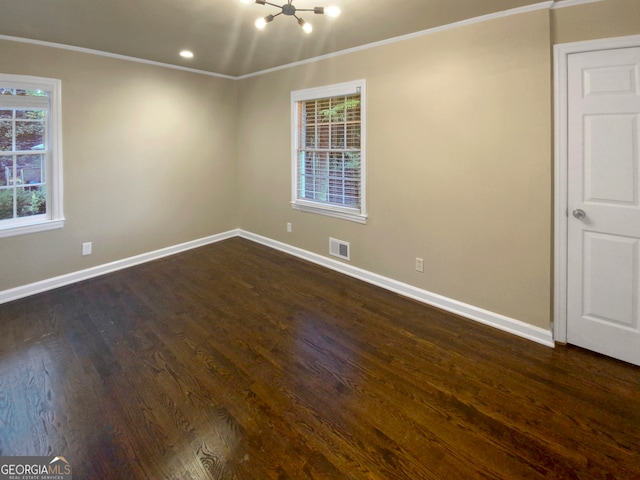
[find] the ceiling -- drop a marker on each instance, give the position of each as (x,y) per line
(221,33)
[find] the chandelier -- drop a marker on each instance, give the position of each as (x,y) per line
(290,10)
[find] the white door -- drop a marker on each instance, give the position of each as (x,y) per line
(603,277)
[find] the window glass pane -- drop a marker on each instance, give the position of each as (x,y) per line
(30,93)
(335,164)
(7,91)
(31,201)
(303,170)
(353,135)
(323,136)
(352,193)
(321,164)
(353,109)
(336,183)
(31,114)
(6,113)
(324,110)
(315,165)
(337,135)
(29,135)
(6,170)
(6,203)
(309,139)
(310,112)
(352,163)
(6,136)
(31,169)
(338,109)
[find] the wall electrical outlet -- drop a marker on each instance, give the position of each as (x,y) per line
(419,265)
(86,248)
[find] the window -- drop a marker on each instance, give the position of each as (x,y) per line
(329,150)
(30,155)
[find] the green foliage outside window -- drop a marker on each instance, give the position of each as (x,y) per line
(337,113)
(28,202)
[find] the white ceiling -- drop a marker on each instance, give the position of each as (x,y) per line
(221,33)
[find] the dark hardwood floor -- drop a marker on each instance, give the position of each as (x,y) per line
(234,361)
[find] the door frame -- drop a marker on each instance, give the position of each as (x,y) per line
(561,54)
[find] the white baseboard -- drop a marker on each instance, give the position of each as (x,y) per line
(507,324)
(74,277)
(486,317)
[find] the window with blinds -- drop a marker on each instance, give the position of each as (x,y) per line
(329,150)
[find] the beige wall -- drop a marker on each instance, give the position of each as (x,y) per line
(149,161)
(459,157)
(609,18)
(459,167)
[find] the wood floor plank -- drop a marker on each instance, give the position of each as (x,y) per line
(235,361)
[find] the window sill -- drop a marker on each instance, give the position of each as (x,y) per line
(343,214)
(40,226)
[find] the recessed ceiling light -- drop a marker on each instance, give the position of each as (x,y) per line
(186,54)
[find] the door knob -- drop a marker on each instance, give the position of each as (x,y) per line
(579,213)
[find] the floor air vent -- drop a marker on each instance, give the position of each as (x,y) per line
(338,248)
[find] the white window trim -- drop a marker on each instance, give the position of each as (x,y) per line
(351,214)
(54,218)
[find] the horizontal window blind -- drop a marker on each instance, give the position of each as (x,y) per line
(329,151)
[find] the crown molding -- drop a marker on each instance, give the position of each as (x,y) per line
(545,5)
(112,55)
(570,3)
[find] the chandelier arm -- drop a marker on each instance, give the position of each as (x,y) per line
(273,4)
(316,10)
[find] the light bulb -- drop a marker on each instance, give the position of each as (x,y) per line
(332,11)
(245,1)
(307,27)
(262,22)
(186,54)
